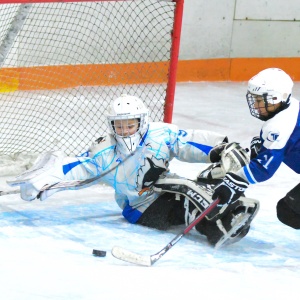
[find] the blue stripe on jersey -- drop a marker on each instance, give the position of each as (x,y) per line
(143,138)
(67,168)
(84,154)
(248,175)
(203,148)
(130,214)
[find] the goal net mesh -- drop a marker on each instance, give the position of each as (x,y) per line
(61,64)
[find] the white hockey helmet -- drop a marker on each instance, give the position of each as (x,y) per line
(274,86)
(128,108)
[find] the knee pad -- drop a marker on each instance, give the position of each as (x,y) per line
(287,215)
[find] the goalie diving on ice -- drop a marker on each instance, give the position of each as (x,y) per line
(133,158)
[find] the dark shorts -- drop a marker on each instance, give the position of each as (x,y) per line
(288,208)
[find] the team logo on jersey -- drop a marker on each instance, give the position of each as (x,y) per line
(182,132)
(272,136)
(149,173)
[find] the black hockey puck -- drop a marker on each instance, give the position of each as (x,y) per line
(99,253)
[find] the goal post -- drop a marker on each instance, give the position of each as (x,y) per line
(62,62)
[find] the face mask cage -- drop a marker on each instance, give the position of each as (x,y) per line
(127,137)
(261,106)
(126,126)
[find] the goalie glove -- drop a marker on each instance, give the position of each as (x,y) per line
(214,154)
(46,170)
(229,190)
(233,158)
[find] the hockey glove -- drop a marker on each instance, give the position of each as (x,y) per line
(230,189)
(46,170)
(255,146)
(214,154)
(233,158)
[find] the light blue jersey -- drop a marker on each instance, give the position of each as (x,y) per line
(133,177)
(281,143)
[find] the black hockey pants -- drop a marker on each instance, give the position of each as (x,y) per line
(164,212)
(288,208)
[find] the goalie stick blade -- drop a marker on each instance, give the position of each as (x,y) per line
(131,257)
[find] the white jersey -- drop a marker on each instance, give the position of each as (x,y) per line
(280,138)
(133,177)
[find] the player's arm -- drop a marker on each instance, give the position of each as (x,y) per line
(51,168)
(232,158)
(263,166)
(195,145)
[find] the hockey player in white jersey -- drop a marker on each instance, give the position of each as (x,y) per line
(269,99)
(134,159)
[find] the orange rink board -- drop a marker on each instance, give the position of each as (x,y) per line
(234,69)
(66,76)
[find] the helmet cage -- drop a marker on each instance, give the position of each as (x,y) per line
(142,123)
(268,101)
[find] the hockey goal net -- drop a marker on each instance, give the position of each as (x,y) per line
(62,63)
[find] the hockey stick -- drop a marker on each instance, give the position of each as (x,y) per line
(67,185)
(3,193)
(72,184)
(79,184)
(146,260)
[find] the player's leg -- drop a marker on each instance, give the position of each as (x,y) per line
(165,211)
(288,208)
(219,228)
(231,227)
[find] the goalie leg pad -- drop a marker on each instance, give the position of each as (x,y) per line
(227,228)
(197,196)
(233,226)
(195,193)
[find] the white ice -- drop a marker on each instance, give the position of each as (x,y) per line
(46,247)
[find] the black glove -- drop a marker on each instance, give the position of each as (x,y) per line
(214,154)
(255,146)
(230,189)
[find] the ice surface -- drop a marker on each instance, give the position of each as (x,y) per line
(46,247)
